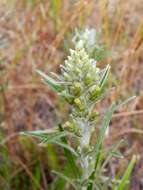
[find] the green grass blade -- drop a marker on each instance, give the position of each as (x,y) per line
(127,174)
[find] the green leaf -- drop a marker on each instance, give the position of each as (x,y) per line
(39,133)
(113,151)
(70,158)
(66,146)
(105,76)
(51,82)
(67,179)
(106,121)
(46,138)
(116,154)
(52,138)
(127,174)
(105,124)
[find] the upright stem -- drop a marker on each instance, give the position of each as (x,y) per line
(84,144)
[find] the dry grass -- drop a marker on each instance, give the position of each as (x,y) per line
(33,36)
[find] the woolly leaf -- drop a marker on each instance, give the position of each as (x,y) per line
(51,82)
(46,138)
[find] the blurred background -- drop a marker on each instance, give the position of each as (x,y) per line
(37,34)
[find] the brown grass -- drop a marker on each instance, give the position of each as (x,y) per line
(32,37)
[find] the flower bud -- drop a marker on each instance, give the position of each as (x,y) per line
(76,89)
(88,79)
(69,125)
(77,71)
(85,68)
(72,52)
(70,100)
(95,93)
(68,65)
(93,116)
(78,103)
(69,58)
(78,132)
(86,149)
(66,76)
(79,45)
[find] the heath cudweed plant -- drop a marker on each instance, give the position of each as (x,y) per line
(82,84)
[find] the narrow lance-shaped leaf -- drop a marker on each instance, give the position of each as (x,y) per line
(55,75)
(51,82)
(38,133)
(66,146)
(104,76)
(52,138)
(106,121)
(100,138)
(46,138)
(112,152)
(127,174)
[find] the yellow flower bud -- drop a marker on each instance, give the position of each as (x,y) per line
(93,116)
(85,68)
(69,126)
(76,89)
(95,93)
(88,79)
(78,103)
